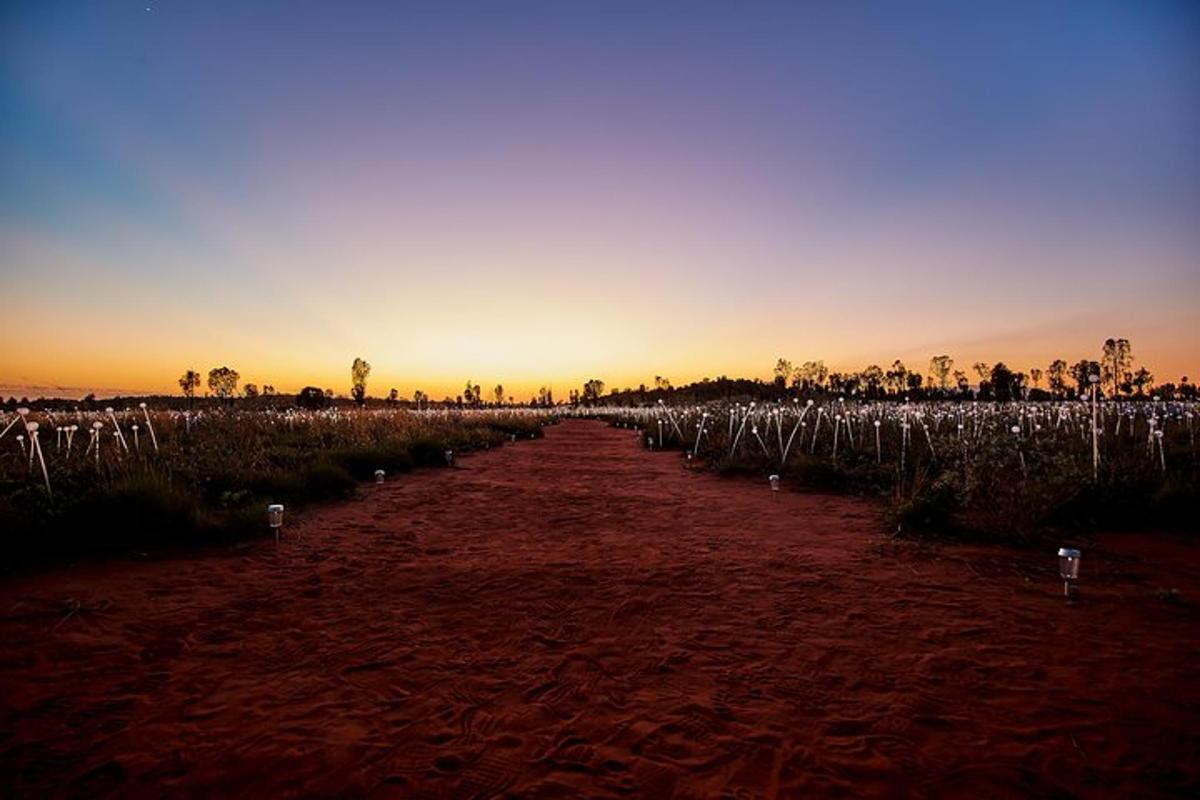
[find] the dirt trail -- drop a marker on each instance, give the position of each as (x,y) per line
(577,617)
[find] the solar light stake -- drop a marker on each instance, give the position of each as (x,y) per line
(1094,380)
(774,479)
(449,455)
(275,519)
(379,476)
(1068,568)
(149,426)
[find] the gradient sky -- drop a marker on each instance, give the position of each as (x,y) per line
(535,193)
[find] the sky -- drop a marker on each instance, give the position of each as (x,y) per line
(541,193)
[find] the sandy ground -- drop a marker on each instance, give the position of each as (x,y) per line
(576,617)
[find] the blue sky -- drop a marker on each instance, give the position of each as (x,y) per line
(536,192)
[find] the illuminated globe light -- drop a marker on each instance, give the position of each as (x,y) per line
(275,518)
(1068,568)
(774,480)
(379,475)
(449,456)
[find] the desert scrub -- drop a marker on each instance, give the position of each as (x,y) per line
(212,472)
(1011,470)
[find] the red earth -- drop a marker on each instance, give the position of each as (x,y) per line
(576,617)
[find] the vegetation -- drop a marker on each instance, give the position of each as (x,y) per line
(360,370)
(1016,469)
(135,477)
(1003,456)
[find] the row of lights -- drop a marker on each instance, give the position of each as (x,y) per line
(1068,557)
(275,510)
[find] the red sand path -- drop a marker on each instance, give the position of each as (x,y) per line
(576,617)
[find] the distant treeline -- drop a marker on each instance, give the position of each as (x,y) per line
(1113,376)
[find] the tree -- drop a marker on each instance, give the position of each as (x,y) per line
(359,371)
(939,368)
(592,390)
(1141,381)
(472,394)
(1056,377)
(661,383)
(1114,364)
(783,372)
(982,369)
(189,382)
(311,397)
(393,397)
(268,390)
(1002,382)
(897,377)
(545,396)
(420,399)
(250,390)
(498,394)
(1081,372)
(961,382)
(812,375)
(223,381)
(872,380)
(1035,375)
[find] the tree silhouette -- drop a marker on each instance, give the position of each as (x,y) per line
(250,390)
(359,371)
(1081,372)
(1002,380)
(812,375)
(472,394)
(1056,377)
(311,397)
(222,382)
(872,379)
(189,382)
(1115,364)
(939,368)
(1141,380)
(783,373)
(897,377)
(592,390)
(498,394)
